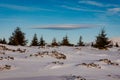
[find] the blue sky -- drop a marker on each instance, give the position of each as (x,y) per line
(57,18)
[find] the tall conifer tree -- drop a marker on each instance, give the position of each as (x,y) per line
(65,41)
(42,42)
(102,41)
(54,43)
(80,43)
(34,41)
(17,38)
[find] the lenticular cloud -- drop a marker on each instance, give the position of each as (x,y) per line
(66,26)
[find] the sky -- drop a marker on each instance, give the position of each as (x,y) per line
(58,18)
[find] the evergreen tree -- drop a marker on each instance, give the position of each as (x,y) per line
(80,43)
(34,40)
(17,38)
(0,40)
(92,44)
(54,43)
(65,41)
(116,45)
(42,42)
(3,41)
(102,41)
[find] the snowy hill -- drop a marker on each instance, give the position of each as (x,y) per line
(59,63)
(115,40)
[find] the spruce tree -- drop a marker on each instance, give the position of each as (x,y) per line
(42,42)
(3,41)
(54,43)
(102,41)
(65,41)
(116,45)
(17,38)
(34,40)
(92,44)
(0,40)
(80,43)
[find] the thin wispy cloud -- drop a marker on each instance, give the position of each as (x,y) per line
(92,3)
(23,8)
(95,3)
(66,26)
(80,9)
(114,10)
(107,11)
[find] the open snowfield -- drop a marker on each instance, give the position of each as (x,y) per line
(59,63)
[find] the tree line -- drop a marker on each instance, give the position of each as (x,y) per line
(18,38)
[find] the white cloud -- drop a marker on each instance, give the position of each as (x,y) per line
(80,9)
(99,4)
(71,8)
(114,10)
(92,3)
(23,8)
(67,26)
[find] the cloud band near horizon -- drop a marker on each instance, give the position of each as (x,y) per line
(67,26)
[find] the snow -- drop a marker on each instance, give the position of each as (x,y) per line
(48,67)
(115,40)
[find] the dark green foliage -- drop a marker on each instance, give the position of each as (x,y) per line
(0,40)
(80,43)
(92,44)
(3,41)
(65,41)
(54,43)
(102,41)
(116,45)
(42,42)
(34,41)
(17,38)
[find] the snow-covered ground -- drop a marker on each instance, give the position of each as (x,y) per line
(59,63)
(115,40)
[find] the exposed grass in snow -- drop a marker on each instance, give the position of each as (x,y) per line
(59,63)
